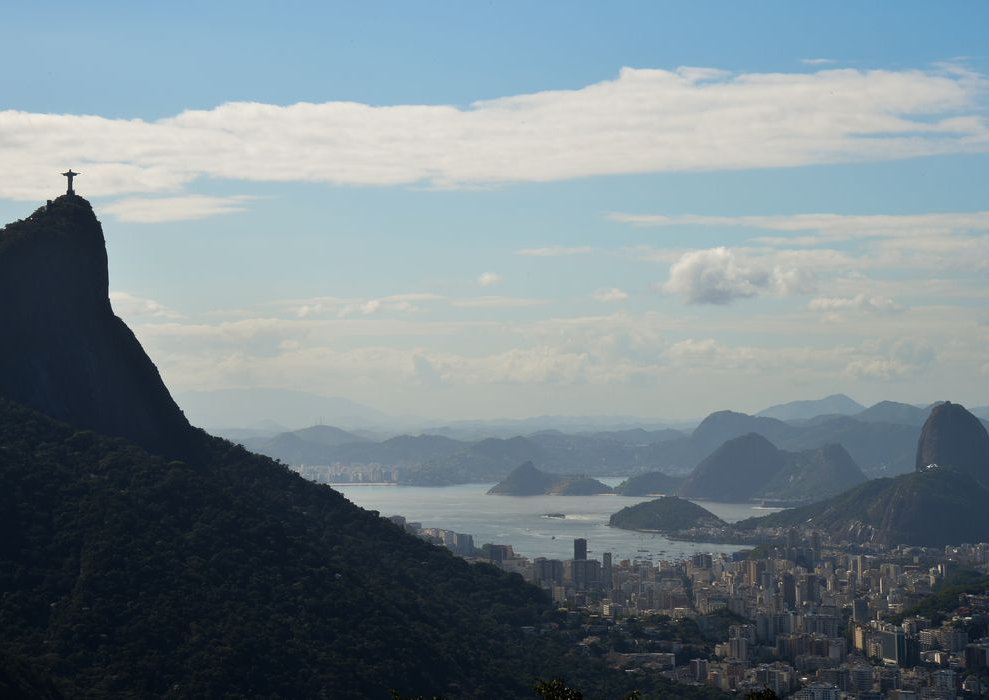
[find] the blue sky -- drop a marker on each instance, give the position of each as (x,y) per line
(511,209)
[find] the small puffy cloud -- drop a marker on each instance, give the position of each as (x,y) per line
(130,306)
(714,277)
(555,251)
(609,295)
(817,61)
(155,210)
(488,279)
(719,276)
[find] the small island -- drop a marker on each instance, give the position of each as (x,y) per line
(526,480)
(668,515)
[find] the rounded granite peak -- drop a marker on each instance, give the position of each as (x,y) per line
(952,436)
(65,353)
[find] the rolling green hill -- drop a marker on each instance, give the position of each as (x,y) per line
(125,574)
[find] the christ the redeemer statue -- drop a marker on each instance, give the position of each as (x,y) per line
(70,175)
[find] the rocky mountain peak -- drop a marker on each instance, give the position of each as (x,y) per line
(65,353)
(952,436)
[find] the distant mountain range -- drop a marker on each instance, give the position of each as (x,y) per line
(836,404)
(880,440)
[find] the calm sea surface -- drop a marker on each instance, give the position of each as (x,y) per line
(522,522)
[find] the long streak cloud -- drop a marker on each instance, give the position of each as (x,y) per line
(642,121)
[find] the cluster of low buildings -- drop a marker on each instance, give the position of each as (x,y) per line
(813,620)
(347,473)
(457,542)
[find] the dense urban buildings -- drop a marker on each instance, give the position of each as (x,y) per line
(810,619)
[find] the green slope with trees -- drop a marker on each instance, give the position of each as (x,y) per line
(126,575)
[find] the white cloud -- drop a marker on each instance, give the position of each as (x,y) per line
(555,251)
(133,307)
(488,279)
(342,307)
(644,120)
(817,61)
(861,302)
(793,281)
(154,210)
(719,276)
(610,295)
(904,359)
(925,247)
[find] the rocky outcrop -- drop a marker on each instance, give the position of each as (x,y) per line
(64,352)
(952,436)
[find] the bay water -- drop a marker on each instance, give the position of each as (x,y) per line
(526,524)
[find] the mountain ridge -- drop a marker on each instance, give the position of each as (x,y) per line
(836,404)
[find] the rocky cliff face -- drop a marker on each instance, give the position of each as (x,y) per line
(64,352)
(954,437)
